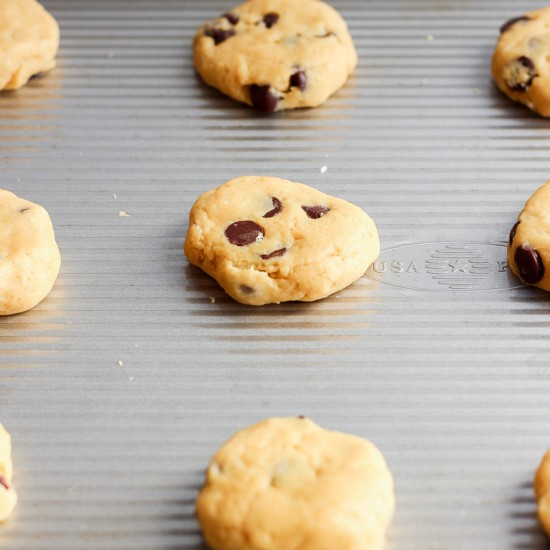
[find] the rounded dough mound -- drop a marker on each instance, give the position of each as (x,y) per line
(529,241)
(29,39)
(297,258)
(287,484)
(520,63)
(542,492)
(8,496)
(29,256)
(236,52)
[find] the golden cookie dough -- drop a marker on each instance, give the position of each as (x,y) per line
(8,496)
(29,38)
(529,241)
(520,61)
(268,240)
(542,492)
(276,54)
(287,484)
(29,257)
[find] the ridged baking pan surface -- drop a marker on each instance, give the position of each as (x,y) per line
(119,387)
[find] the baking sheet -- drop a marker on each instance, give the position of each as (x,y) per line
(449,376)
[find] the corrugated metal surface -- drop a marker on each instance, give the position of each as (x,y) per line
(452,385)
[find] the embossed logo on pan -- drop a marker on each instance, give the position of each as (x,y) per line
(444,266)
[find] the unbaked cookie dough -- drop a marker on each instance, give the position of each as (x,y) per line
(29,38)
(8,496)
(529,241)
(542,492)
(269,240)
(520,61)
(29,257)
(276,54)
(287,484)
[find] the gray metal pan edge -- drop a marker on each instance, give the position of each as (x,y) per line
(449,377)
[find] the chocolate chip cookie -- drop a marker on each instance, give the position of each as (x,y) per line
(29,256)
(520,61)
(542,492)
(529,241)
(29,38)
(8,496)
(268,240)
(276,54)
(287,483)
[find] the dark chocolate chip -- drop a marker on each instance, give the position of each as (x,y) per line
(270,19)
(529,262)
(298,80)
(301,417)
(511,22)
(277,207)
(231,17)
(4,482)
(273,254)
(219,35)
(520,79)
(264,98)
(247,289)
(23,210)
(244,232)
(315,212)
(513,232)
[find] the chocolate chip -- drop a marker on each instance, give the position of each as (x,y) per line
(277,207)
(219,35)
(264,98)
(315,212)
(247,289)
(529,262)
(513,232)
(23,210)
(231,17)
(273,254)
(298,80)
(4,482)
(511,22)
(521,74)
(270,19)
(301,417)
(244,232)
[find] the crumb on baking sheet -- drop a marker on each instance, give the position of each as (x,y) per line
(123,214)
(212,299)
(430,37)
(324,169)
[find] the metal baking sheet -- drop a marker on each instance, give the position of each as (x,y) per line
(436,354)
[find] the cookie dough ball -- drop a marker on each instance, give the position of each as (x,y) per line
(542,492)
(29,257)
(29,38)
(286,484)
(529,241)
(8,496)
(520,62)
(276,54)
(268,240)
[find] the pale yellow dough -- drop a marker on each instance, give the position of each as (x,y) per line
(29,256)
(8,496)
(542,492)
(321,256)
(520,64)
(29,39)
(287,484)
(309,35)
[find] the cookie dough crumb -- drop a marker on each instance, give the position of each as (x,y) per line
(324,169)
(429,37)
(212,300)
(123,214)
(120,363)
